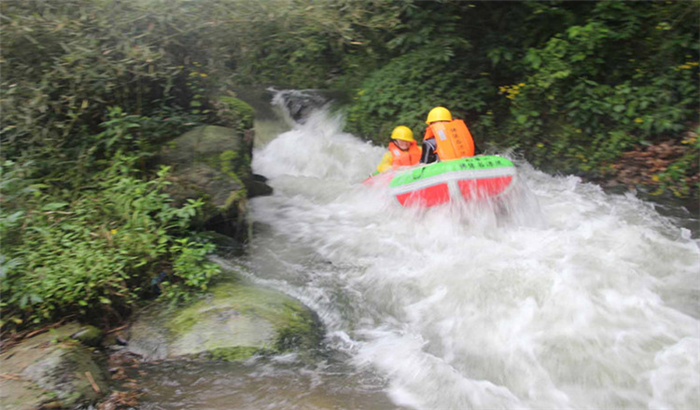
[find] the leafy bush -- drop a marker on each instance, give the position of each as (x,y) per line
(404,91)
(590,93)
(189,271)
(681,177)
(303,44)
(64,63)
(92,253)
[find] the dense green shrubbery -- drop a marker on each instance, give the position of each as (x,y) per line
(599,88)
(308,44)
(64,63)
(403,91)
(92,252)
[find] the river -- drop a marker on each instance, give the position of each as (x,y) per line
(560,297)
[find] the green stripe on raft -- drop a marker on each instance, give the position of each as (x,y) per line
(482,162)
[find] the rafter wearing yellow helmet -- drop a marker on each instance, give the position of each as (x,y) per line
(402,133)
(446,138)
(438,114)
(403,150)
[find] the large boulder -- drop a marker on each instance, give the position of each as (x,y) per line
(213,163)
(50,368)
(233,322)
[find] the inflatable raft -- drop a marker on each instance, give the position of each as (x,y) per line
(468,179)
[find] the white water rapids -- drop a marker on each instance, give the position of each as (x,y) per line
(564,298)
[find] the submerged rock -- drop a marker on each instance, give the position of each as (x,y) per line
(50,368)
(233,322)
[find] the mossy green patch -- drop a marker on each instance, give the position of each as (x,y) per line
(300,329)
(236,353)
(89,336)
(235,113)
(236,197)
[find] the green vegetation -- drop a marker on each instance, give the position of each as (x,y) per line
(91,89)
(75,252)
(235,113)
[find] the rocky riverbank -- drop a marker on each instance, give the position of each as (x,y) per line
(74,366)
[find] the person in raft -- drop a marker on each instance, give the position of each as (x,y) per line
(403,150)
(446,138)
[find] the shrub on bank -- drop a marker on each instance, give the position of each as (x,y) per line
(89,91)
(94,252)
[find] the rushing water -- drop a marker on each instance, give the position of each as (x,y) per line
(559,297)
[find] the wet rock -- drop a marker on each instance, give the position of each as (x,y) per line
(300,103)
(213,163)
(259,187)
(235,321)
(48,370)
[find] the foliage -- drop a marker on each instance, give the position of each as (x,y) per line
(678,177)
(430,69)
(302,43)
(90,254)
(593,92)
(403,92)
(189,269)
(65,63)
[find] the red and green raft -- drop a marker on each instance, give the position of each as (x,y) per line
(469,179)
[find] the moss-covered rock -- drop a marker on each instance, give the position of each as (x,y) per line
(50,368)
(89,336)
(234,113)
(212,163)
(233,322)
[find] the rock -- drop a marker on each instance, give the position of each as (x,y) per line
(258,187)
(235,321)
(89,336)
(213,163)
(299,104)
(50,368)
(234,113)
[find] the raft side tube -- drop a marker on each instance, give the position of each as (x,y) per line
(466,178)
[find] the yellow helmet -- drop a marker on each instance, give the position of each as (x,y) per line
(438,114)
(402,133)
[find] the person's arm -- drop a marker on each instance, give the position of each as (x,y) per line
(428,151)
(385,163)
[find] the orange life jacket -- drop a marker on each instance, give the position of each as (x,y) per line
(453,139)
(404,158)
